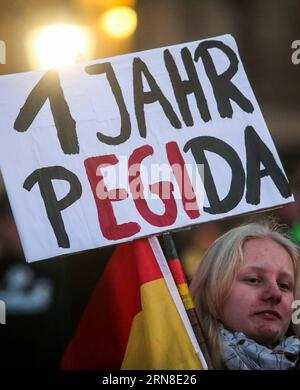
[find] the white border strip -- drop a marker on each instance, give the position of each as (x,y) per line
(162,262)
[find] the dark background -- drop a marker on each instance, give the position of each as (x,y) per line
(264,31)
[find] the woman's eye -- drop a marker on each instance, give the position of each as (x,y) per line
(284,286)
(252,280)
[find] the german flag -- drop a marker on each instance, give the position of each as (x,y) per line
(135,318)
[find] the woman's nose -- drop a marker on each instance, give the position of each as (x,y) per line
(272,292)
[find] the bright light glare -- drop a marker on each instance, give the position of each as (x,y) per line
(119,22)
(60,45)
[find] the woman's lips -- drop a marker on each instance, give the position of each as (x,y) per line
(270,315)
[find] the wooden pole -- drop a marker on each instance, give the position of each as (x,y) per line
(184,292)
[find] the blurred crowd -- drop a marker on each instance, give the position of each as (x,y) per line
(43,300)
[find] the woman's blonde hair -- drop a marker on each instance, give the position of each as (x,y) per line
(217,272)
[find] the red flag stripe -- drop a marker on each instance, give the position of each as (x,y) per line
(177,271)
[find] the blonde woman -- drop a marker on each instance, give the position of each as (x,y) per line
(243,290)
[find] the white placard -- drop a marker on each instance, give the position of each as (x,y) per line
(185,115)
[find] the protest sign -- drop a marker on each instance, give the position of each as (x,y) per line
(114,149)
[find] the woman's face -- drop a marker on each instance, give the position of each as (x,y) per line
(259,304)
